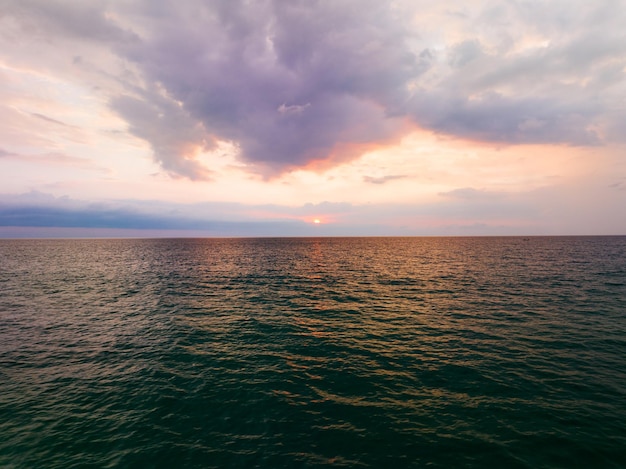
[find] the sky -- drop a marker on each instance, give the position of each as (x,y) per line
(312,118)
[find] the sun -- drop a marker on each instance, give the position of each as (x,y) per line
(317,221)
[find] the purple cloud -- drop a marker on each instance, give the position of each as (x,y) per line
(290,83)
(295,83)
(174,136)
(304,83)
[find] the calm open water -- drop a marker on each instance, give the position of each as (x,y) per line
(347,352)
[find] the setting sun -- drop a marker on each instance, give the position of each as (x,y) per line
(317,221)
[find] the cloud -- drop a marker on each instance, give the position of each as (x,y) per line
(175,137)
(493,117)
(38,214)
(293,109)
(469,193)
(67,18)
(528,78)
(52,159)
(553,210)
(37,210)
(383,179)
(289,83)
(49,119)
(619,185)
(4,153)
(314,84)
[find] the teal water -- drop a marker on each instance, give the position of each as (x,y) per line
(347,352)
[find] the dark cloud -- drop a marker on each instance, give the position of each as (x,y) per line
(38,214)
(42,209)
(38,209)
(66,222)
(491,116)
(289,82)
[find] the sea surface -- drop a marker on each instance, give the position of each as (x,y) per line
(321,352)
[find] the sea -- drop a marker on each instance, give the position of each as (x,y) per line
(485,352)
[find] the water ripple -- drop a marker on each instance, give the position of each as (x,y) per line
(440,352)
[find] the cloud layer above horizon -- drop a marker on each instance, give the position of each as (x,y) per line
(272,90)
(301,83)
